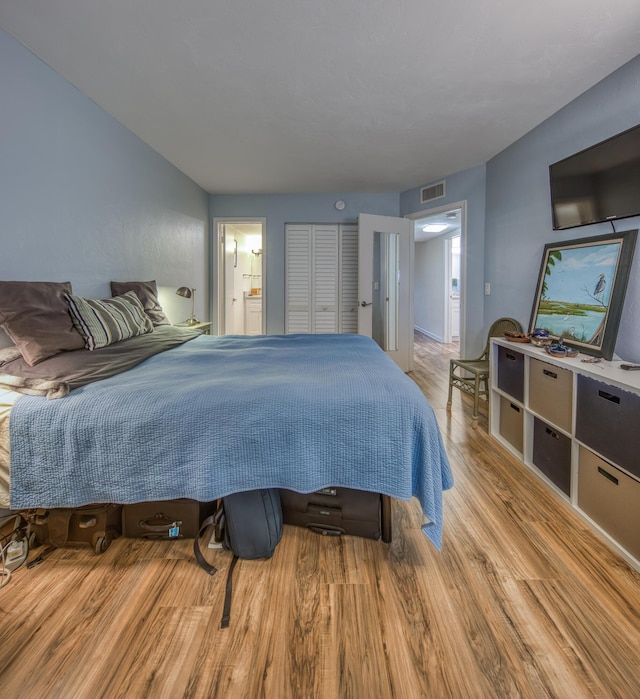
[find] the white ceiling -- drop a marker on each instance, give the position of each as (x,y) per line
(287,96)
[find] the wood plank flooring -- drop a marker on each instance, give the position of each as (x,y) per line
(523,601)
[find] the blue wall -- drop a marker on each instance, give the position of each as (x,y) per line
(280,209)
(518,211)
(83,199)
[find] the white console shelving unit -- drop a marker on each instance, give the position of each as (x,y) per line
(575,425)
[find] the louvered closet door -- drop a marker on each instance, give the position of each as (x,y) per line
(348,292)
(321,278)
(325,279)
(298,276)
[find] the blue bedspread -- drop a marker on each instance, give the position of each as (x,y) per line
(224,414)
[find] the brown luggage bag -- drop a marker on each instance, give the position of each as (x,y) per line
(165,519)
(95,525)
(337,511)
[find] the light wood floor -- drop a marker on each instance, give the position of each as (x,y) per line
(523,601)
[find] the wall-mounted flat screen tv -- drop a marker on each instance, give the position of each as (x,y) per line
(600,183)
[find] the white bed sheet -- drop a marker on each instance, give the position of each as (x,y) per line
(7,399)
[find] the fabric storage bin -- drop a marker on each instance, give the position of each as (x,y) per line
(511,423)
(511,372)
(552,454)
(550,393)
(611,498)
(607,420)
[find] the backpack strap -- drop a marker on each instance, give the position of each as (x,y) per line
(196,546)
(226,612)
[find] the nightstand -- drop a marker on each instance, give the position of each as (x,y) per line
(205,327)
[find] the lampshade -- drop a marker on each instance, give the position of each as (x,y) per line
(184,291)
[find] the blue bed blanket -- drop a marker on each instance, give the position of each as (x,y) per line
(218,415)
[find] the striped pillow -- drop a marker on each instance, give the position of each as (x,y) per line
(104,322)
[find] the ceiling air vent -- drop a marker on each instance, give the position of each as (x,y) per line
(434,191)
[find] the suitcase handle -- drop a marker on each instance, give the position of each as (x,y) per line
(159,528)
(325,530)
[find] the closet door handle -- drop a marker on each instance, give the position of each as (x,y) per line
(364,303)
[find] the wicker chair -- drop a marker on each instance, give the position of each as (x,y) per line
(472,375)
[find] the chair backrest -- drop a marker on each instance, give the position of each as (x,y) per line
(498,328)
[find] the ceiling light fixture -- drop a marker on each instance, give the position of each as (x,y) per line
(435,227)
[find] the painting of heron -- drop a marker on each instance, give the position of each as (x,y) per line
(581,289)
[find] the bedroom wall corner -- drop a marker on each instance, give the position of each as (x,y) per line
(82,198)
(518,220)
(279,209)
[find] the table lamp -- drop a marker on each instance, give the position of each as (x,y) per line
(188,293)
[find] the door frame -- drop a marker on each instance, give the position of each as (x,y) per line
(462,205)
(218,263)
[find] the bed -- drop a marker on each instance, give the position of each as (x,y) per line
(175,414)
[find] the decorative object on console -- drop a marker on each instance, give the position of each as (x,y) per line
(540,337)
(581,289)
(188,293)
(559,349)
(514,336)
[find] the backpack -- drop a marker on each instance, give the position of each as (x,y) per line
(250,525)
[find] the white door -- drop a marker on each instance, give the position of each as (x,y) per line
(385,285)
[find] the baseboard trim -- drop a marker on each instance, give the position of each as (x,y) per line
(437,338)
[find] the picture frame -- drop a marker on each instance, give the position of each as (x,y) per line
(581,289)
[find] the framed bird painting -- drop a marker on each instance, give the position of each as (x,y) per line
(581,289)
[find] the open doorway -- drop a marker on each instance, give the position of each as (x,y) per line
(439,273)
(241,274)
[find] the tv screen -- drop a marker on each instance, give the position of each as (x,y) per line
(601,183)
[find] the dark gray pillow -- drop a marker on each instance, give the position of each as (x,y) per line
(35,315)
(107,321)
(147,292)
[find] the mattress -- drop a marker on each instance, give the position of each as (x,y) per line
(218,415)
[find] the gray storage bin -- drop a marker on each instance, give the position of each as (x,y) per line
(552,454)
(607,420)
(511,423)
(511,372)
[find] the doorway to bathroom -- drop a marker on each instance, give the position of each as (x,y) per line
(240,275)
